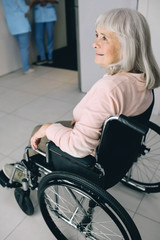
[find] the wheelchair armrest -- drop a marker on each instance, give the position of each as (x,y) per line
(85,167)
(87,162)
(141,128)
(36,150)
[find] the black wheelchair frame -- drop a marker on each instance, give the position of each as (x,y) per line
(144,174)
(72,191)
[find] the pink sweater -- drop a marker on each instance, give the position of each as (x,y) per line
(123,93)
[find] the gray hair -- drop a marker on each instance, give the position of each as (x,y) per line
(132,29)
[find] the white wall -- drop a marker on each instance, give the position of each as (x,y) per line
(10,58)
(60,39)
(88,11)
(151,10)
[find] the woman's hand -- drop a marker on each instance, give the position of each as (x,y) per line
(35,139)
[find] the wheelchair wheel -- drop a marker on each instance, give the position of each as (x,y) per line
(75,209)
(144,174)
(23,200)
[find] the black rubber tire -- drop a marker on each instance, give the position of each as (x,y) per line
(24,201)
(144,174)
(57,193)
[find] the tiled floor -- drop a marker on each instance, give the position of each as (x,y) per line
(48,95)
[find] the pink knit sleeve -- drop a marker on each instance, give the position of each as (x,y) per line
(77,142)
(83,139)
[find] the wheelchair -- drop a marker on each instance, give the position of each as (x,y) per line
(72,192)
(144,174)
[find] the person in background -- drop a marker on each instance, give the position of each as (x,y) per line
(19,27)
(123,47)
(44,18)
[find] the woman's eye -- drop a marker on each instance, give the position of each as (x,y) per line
(104,38)
(96,35)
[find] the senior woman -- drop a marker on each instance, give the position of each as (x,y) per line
(123,47)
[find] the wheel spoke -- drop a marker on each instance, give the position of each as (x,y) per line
(146,170)
(77,212)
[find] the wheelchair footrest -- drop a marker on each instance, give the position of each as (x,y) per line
(4,181)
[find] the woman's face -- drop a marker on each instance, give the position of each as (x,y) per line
(107,47)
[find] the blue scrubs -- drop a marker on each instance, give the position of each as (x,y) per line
(44,17)
(19,26)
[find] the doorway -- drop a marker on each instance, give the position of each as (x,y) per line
(66,57)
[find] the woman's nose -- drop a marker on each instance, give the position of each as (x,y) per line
(95,43)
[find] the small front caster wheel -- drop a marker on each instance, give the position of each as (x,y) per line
(23,200)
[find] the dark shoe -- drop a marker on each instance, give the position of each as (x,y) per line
(50,61)
(39,63)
